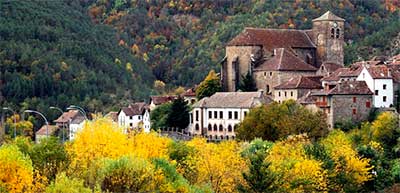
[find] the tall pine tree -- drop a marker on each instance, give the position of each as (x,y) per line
(178,116)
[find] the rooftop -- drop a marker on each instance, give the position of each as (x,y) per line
(134,109)
(43,130)
(328,16)
(302,82)
(158,100)
(233,100)
(347,88)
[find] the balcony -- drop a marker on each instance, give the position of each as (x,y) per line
(321,104)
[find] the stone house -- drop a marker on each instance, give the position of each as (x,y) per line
(347,101)
(156,101)
(216,117)
(189,96)
(254,48)
(341,75)
(135,117)
(71,120)
(296,87)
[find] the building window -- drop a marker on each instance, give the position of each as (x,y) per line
(130,117)
(337,33)
(279,93)
(285,94)
(215,114)
(354,111)
(209,114)
(265,73)
(221,114)
(215,127)
(384,98)
(209,127)
(291,93)
(384,87)
(332,33)
(221,128)
(245,113)
(236,115)
(354,99)
(229,128)
(216,137)
(368,104)
(270,73)
(140,117)
(197,127)
(230,115)
(197,115)
(267,89)
(376,92)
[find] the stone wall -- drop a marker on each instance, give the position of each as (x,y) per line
(328,49)
(342,108)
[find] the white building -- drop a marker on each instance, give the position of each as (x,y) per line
(216,117)
(135,116)
(380,81)
(72,121)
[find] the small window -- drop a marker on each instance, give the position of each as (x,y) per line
(209,127)
(279,93)
(130,117)
(215,127)
(291,93)
(236,115)
(131,124)
(197,115)
(140,117)
(354,111)
(221,114)
(265,73)
(197,127)
(270,73)
(285,94)
(332,33)
(337,33)
(221,128)
(384,87)
(209,114)
(230,115)
(368,104)
(376,92)
(229,128)
(215,114)
(354,99)
(245,113)
(384,98)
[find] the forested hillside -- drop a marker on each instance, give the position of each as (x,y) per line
(96,53)
(52,54)
(181,40)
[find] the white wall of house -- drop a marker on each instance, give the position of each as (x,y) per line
(382,89)
(74,128)
(133,122)
(146,121)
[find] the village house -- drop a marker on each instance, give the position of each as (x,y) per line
(44,130)
(216,117)
(71,120)
(273,56)
(135,117)
(189,96)
(296,87)
(156,101)
(348,101)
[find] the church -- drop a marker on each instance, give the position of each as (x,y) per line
(274,56)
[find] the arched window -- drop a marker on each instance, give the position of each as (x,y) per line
(221,128)
(197,127)
(267,88)
(227,137)
(332,32)
(215,127)
(229,128)
(216,137)
(337,33)
(209,127)
(222,137)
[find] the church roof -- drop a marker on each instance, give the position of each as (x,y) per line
(302,82)
(284,60)
(328,16)
(233,100)
(272,38)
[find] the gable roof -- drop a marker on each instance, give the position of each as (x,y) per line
(43,130)
(379,72)
(353,71)
(158,100)
(347,88)
(68,116)
(284,60)
(395,72)
(134,109)
(395,60)
(272,38)
(330,66)
(302,82)
(328,16)
(233,100)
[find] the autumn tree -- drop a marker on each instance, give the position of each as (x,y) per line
(210,85)
(275,121)
(63,183)
(23,127)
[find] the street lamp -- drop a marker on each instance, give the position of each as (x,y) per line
(46,122)
(63,125)
(80,109)
(15,119)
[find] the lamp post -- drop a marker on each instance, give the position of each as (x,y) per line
(46,122)
(63,125)
(80,109)
(15,119)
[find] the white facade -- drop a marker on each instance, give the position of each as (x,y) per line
(74,128)
(216,123)
(135,121)
(381,87)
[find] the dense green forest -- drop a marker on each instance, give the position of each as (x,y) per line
(101,53)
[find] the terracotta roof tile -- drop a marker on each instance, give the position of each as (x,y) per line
(379,72)
(158,100)
(272,38)
(134,109)
(395,72)
(43,130)
(302,82)
(67,116)
(343,72)
(285,61)
(331,67)
(347,88)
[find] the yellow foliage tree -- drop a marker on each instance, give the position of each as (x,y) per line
(16,171)
(219,165)
(298,172)
(347,162)
(149,145)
